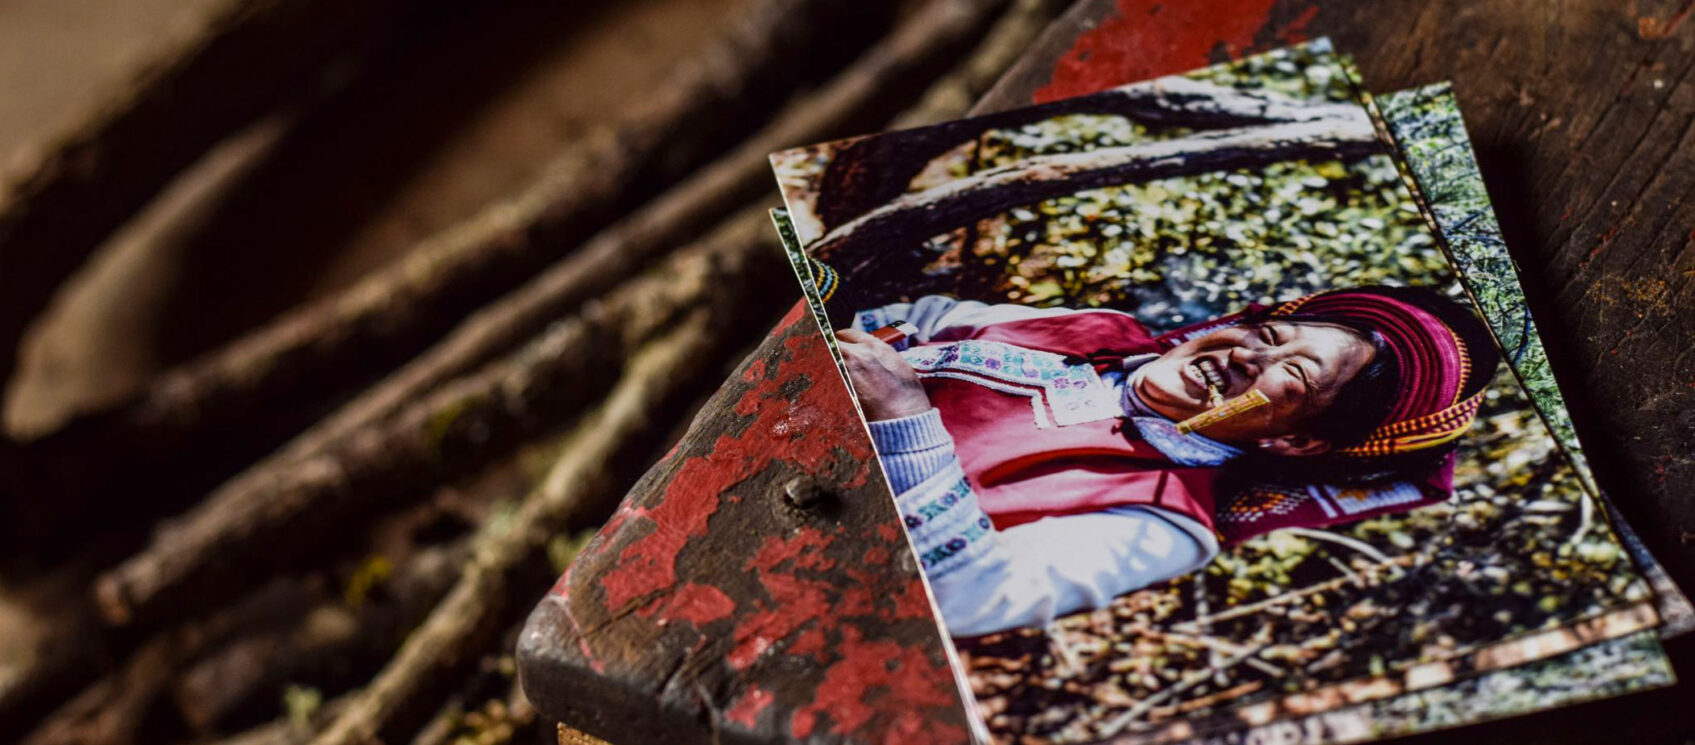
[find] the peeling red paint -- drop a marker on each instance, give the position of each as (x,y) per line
(699,604)
(1134,45)
(748,650)
(805,548)
(876,556)
(808,643)
(747,708)
(912,602)
(648,565)
(871,670)
(794,603)
(888,532)
(822,598)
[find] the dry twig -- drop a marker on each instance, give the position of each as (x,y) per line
(250,521)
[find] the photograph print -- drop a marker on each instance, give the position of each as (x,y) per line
(1189,421)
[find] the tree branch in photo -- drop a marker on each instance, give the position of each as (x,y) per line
(887,241)
(875,170)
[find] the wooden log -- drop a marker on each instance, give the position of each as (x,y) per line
(333,641)
(251,521)
(287,632)
(68,648)
(290,730)
(861,90)
(114,708)
(198,86)
(309,353)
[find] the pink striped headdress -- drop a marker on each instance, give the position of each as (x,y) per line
(1435,369)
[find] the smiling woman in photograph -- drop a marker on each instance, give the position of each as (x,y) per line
(1040,468)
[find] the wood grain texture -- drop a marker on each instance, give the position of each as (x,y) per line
(1583,114)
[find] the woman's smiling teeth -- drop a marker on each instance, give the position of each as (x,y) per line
(1210,373)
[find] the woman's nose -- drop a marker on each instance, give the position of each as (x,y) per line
(1247,360)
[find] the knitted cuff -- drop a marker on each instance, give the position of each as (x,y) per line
(912,448)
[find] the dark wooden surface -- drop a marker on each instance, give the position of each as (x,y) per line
(1583,115)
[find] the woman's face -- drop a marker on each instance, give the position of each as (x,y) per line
(1298,366)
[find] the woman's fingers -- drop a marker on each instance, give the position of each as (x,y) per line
(855,336)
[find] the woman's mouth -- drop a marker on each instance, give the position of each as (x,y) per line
(1209,374)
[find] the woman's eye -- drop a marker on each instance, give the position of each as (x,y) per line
(1297,373)
(1267,335)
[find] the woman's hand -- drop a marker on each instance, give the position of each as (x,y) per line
(888,388)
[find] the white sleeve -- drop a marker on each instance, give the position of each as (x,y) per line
(933,313)
(1038,571)
(988,580)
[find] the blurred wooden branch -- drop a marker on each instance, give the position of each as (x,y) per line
(624,247)
(252,521)
(244,673)
(306,354)
(197,87)
(112,709)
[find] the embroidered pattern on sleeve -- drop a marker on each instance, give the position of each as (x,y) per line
(948,529)
(1060,394)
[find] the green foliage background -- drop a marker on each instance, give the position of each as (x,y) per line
(1175,251)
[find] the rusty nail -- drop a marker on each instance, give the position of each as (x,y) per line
(802,493)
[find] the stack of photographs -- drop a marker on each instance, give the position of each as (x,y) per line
(1214,412)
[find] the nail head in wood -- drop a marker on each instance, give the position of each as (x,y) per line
(803,493)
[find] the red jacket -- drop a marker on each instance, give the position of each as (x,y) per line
(1036,436)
